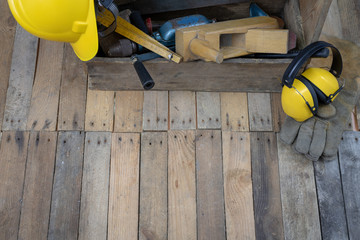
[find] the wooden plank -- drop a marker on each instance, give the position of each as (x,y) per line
(260,112)
(124,186)
(181,185)
(155,111)
(238,189)
(234,112)
(46,89)
(72,93)
(332,25)
(39,174)
(153,186)
(182,110)
(209,185)
(265,176)
(298,195)
(349,157)
(350,20)
(128,111)
(65,204)
(13,159)
(20,80)
(278,114)
(99,111)
(208,110)
(95,186)
(251,75)
(331,200)
(7,35)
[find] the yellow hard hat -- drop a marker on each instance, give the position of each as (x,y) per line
(70,21)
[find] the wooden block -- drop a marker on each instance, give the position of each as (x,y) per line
(349,157)
(124,186)
(95,186)
(182,110)
(234,112)
(331,200)
(155,111)
(20,81)
(298,195)
(153,186)
(209,185)
(65,203)
(128,111)
(39,175)
(208,110)
(73,93)
(267,40)
(278,115)
(238,189)
(260,112)
(46,89)
(99,111)
(181,185)
(13,153)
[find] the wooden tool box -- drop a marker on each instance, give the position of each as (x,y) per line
(303,17)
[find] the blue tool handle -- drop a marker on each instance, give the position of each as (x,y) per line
(144,76)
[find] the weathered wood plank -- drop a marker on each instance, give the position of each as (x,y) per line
(298,195)
(182,110)
(330,199)
(65,204)
(238,189)
(278,114)
(20,80)
(208,110)
(350,20)
(265,176)
(181,185)
(209,185)
(260,112)
(46,89)
(155,111)
(332,25)
(128,111)
(72,93)
(99,111)
(234,112)
(39,174)
(292,18)
(257,75)
(12,161)
(349,157)
(153,186)
(95,186)
(124,186)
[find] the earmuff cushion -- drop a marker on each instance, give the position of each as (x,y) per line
(312,91)
(320,94)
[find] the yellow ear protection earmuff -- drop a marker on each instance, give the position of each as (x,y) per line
(302,93)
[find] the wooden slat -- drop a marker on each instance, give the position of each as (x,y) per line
(349,156)
(298,195)
(39,174)
(12,161)
(153,186)
(208,110)
(46,89)
(73,92)
(155,111)
(7,35)
(181,185)
(292,18)
(278,115)
(265,176)
(234,112)
(331,201)
(260,117)
(350,20)
(238,189)
(332,25)
(99,111)
(20,81)
(182,110)
(128,111)
(124,186)
(95,186)
(210,185)
(65,204)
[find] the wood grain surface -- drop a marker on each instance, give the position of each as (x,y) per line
(208,110)
(278,114)
(234,112)
(155,111)
(260,117)
(182,110)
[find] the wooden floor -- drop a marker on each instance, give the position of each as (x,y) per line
(83,164)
